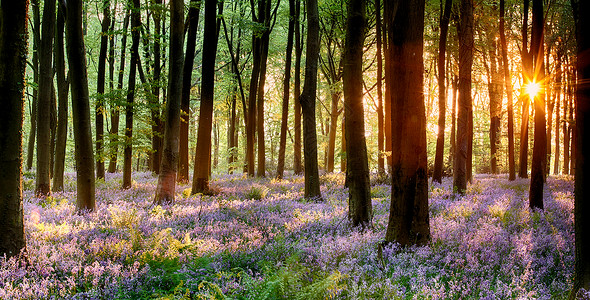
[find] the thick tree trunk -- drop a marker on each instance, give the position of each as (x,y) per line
(508,85)
(167,178)
(13,53)
(442,95)
(43,177)
(495,91)
(380,120)
(527,65)
(286,84)
(62,99)
(359,190)
(80,107)
(465,33)
(453,148)
(36,43)
(100,107)
(540,140)
(203,153)
(408,216)
(157,123)
(308,101)
(297,165)
(187,71)
(129,110)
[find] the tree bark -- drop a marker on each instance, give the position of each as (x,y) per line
(359,189)
(380,120)
(308,101)
(13,53)
(527,65)
(62,99)
(465,33)
(36,43)
(80,107)
(100,107)
(203,153)
(297,165)
(508,85)
(558,90)
(442,96)
(167,178)
(157,124)
(43,178)
(129,109)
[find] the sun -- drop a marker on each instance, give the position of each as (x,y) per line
(533,89)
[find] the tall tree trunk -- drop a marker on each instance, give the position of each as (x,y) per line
(62,99)
(43,177)
(453,149)
(167,178)
(36,44)
(251,120)
(203,154)
(558,90)
(308,100)
(297,165)
(408,215)
(334,113)
(115,110)
(442,95)
(187,71)
(13,58)
(380,125)
(157,124)
(567,104)
(264,18)
(127,151)
(100,83)
(388,87)
(495,91)
(527,65)
(80,107)
(465,33)
(359,190)
(540,140)
(286,84)
(508,85)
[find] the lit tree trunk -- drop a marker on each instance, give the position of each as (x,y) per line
(527,65)
(334,113)
(13,58)
(264,17)
(36,44)
(80,107)
(100,108)
(453,148)
(203,153)
(388,87)
(187,71)
(251,121)
(43,177)
(286,84)
(567,104)
(558,89)
(114,132)
(442,96)
(465,33)
(380,125)
(167,178)
(408,215)
(297,166)
(495,91)
(359,189)
(540,140)
(62,99)
(508,84)
(308,100)
(127,151)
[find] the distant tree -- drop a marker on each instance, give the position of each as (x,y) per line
(167,178)
(465,34)
(62,99)
(508,85)
(127,152)
(582,178)
(13,55)
(408,216)
(308,100)
(359,189)
(43,177)
(540,141)
(442,99)
(85,193)
(203,153)
(558,91)
(286,85)
(100,84)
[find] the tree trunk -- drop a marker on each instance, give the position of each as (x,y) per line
(100,108)
(508,85)
(334,113)
(13,53)
(80,107)
(408,216)
(62,99)
(558,90)
(453,149)
(286,84)
(252,117)
(203,154)
(380,125)
(540,140)
(157,124)
(465,33)
(495,91)
(127,151)
(308,100)
(43,177)
(167,178)
(527,65)
(359,189)
(442,99)
(297,165)
(36,43)
(187,71)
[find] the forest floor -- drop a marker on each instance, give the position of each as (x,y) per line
(259,239)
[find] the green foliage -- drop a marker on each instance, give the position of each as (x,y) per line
(256,192)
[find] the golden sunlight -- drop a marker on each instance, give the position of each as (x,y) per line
(533,89)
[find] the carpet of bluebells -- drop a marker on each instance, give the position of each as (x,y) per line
(260,239)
